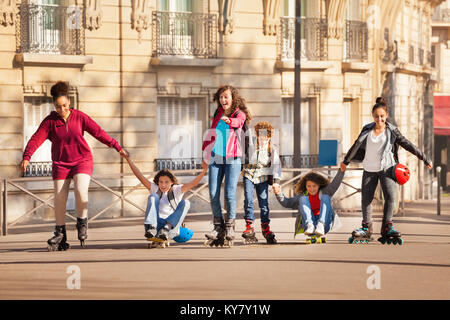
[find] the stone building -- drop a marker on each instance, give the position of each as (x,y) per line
(441,61)
(145,70)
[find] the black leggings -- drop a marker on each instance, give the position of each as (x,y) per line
(368,186)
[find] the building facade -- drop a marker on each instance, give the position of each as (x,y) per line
(146,70)
(441,61)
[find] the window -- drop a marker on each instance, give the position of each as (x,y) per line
(180,127)
(287,127)
(35,110)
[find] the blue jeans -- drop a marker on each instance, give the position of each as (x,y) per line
(175,219)
(326,212)
(218,169)
(263,201)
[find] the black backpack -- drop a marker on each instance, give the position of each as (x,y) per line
(170,196)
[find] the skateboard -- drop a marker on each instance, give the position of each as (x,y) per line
(157,243)
(315,239)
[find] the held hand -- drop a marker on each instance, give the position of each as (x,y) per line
(24,165)
(124,153)
(276,188)
(204,166)
(343,167)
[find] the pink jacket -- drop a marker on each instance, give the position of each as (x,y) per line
(233,146)
(68,144)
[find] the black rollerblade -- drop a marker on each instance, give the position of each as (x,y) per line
(59,240)
(363,234)
(216,238)
(229,232)
(267,233)
(82,226)
(249,233)
(389,235)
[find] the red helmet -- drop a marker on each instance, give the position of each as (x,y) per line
(401,173)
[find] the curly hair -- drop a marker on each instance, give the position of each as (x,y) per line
(238,101)
(264,127)
(167,173)
(59,89)
(317,178)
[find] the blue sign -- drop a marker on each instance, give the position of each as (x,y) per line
(328,152)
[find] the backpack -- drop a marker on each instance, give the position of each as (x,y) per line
(170,197)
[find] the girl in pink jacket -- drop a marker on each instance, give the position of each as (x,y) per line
(222,150)
(71,157)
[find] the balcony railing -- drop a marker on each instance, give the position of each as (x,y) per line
(184,34)
(313,39)
(356,33)
(306,161)
(39,169)
(441,15)
(178,163)
(50,29)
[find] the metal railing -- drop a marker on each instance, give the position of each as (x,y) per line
(441,15)
(24,186)
(313,39)
(39,169)
(184,34)
(178,164)
(356,35)
(50,29)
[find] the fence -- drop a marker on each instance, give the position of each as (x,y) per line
(122,194)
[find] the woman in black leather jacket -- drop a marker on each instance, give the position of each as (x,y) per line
(377,148)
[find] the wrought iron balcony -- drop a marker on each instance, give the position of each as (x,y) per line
(178,163)
(356,33)
(441,15)
(184,34)
(313,39)
(39,169)
(50,29)
(306,160)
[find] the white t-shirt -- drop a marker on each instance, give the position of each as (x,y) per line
(165,209)
(374,150)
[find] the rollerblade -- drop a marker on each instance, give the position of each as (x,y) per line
(216,237)
(363,234)
(82,230)
(249,233)
(267,233)
(229,233)
(389,235)
(59,240)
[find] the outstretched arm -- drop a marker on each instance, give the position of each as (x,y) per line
(284,201)
(136,170)
(188,186)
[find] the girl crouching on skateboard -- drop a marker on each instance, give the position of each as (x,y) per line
(313,201)
(166,208)
(377,148)
(263,169)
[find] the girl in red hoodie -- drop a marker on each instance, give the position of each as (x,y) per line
(71,157)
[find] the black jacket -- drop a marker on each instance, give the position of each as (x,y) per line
(358,149)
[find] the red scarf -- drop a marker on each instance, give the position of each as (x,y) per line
(314,202)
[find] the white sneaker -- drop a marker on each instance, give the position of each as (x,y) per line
(309,229)
(320,230)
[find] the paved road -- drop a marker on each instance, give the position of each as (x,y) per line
(117,265)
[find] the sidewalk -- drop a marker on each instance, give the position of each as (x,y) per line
(116,263)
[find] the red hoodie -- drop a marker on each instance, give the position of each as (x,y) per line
(68,144)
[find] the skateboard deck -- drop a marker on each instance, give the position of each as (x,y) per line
(315,239)
(157,243)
